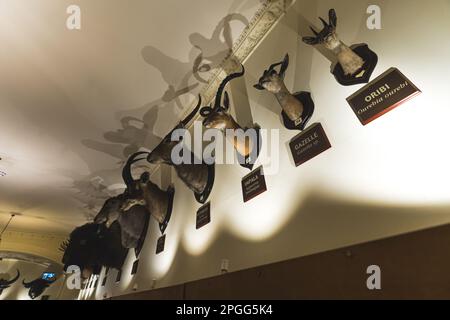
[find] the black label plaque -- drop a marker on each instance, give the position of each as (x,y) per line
(160,245)
(203,216)
(134,269)
(382,95)
(105,277)
(253,184)
(309,144)
(119,276)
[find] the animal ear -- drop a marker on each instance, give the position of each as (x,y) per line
(205,111)
(310,40)
(333,18)
(258,87)
(284,65)
(226,101)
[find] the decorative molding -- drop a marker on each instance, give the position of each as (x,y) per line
(28,258)
(32,235)
(264,20)
(259,27)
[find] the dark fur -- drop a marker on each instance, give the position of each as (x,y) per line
(93,246)
(37,287)
(5,284)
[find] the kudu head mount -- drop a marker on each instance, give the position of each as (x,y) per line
(162,154)
(247,142)
(218,116)
(198,176)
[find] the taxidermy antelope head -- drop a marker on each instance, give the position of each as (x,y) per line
(145,194)
(351,63)
(120,225)
(197,177)
(293,106)
(218,117)
(5,284)
(111,210)
(37,287)
(132,208)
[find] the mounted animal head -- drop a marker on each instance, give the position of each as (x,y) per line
(143,189)
(5,284)
(327,35)
(157,202)
(133,226)
(163,152)
(37,287)
(218,116)
(272,80)
(138,198)
(110,211)
(92,246)
(112,208)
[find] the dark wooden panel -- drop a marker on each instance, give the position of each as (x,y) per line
(170,293)
(414,266)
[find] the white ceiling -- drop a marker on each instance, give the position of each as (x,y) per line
(66,96)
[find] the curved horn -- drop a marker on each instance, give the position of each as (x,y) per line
(325,24)
(26,285)
(310,40)
(223,85)
(332,17)
(10,282)
(284,65)
(191,116)
(273,66)
(126,171)
(314,31)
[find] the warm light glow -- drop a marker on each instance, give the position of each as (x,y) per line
(262,217)
(126,276)
(196,241)
(401,160)
(162,262)
(393,163)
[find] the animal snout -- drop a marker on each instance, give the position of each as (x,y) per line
(152,158)
(207,123)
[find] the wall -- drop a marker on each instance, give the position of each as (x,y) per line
(385,179)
